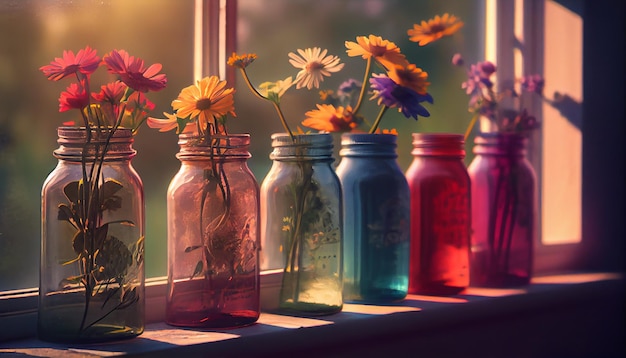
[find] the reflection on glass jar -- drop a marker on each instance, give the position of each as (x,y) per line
(213,211)
(301,223)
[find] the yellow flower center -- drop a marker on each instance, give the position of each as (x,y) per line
(203,104)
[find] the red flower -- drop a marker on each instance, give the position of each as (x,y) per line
(132,71)
(109,97)
(74,97)
(86,61)
(111,93)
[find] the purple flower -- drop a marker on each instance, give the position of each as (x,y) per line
(393,95)
(458,60)
(486,68)
(532,83)
(349,86)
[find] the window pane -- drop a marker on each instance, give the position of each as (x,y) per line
(562,128)
(33,33)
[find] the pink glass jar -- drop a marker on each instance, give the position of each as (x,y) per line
(504,211)
(440,215)
(213,228)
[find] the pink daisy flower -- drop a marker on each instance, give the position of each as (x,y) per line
(86,61)
(133,72)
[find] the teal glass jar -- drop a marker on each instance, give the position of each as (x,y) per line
(301,224)
(376,202)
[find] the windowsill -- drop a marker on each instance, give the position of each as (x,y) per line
(578,304)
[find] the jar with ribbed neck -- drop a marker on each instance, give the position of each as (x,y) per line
(376,219)
(92,246)
(440,215)
(301,224)
(212,236)
(504,211)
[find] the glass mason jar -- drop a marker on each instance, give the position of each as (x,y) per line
(376,219)
(301,223)
(91,286)
(504,211)
(440,215)
(212,237)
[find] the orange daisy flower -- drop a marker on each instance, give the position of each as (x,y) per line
(206,100)
(434,29)
(241,61)
(330,118)
(384,52)
(410,76)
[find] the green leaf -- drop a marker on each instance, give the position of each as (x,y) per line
(101,235)
(65,213)
(192,248)
(110,201)
(71,191)
(110,187)
(121,222)
(198,270)
(78,242)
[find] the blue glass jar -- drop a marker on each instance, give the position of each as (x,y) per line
(376,219)
(301,223)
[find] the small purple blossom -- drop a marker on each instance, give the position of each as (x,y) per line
(349,86)
(458,60)
(532,83)
(393,95)
(486,68)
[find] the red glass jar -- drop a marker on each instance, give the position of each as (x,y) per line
(504,211)
(440,215)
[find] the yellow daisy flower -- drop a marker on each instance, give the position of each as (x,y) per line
(329,118)
(383,51)
(410,76)
(206,100)
(314,65)
(434,29)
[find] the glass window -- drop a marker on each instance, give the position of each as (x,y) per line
(33,32)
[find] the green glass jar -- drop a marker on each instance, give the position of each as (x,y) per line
(301,224)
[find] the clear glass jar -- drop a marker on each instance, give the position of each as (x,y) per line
(440,215)
(213,218)
(301,223)
(504,211)
(92,246)
(376,219)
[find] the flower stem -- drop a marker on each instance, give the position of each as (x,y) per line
(276,106)
(471,125)
(377,121)
(363,86)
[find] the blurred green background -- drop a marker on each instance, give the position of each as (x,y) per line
(34,32)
